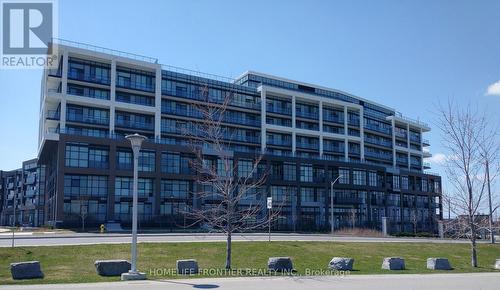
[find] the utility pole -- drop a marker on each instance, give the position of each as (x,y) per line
(492,234)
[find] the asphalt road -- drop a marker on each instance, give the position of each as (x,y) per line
(89,239)
(477,281)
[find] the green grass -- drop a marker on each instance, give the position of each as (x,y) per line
(64,264)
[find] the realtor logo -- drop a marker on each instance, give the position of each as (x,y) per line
(28,28)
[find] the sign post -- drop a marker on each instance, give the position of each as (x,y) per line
(269,207)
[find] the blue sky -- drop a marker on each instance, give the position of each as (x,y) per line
(409,55)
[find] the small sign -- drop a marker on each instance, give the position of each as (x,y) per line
(269,202)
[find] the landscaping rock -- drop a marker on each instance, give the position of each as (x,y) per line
(339,263)
(280,264)
(187,267)
(497,264)
(393,263)
(112,267)
(438,264)
(26,270)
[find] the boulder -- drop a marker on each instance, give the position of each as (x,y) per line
(186,267)
(342,264)
(112,267)
(438,264)
(26,270)
(280,264)
(497,264)
(393,263)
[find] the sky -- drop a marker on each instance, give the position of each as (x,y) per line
(408,55)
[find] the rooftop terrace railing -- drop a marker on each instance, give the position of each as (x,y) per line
(400,115)
(104,50)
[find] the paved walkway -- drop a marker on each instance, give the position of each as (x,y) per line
(478,281)
(89,239)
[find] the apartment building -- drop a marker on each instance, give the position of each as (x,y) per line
(309,134)
(22,195)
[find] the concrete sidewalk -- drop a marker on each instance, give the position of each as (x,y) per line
(483,281)
(89,238)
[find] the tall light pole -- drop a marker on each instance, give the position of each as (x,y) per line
(331,202)
(136,142)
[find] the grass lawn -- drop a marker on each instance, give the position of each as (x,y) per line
(65,264)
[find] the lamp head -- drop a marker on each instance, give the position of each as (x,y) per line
(136,141)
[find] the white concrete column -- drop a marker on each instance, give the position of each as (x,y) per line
(362,132)
(158,103)
(393,128)
(64,90)
(112,98)
(294,141)
(320,128)
(408,144)
(263,133)
(346,135)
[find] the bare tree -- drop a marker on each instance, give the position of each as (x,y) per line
(414,219)
(463,129)
(489,148)
(231,195)
(83,201)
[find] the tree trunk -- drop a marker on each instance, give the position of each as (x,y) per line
(473,246)
(228,251)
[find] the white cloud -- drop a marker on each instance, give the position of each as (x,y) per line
(437,159)
(494,89)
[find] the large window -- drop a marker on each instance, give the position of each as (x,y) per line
(306,173)
(225,167)
(85,156)
(147,161)
(174,189)
(77,155)
(123,186)
(359,177)
(280,194)
(307,194)
(135,79)
(395,182)
(289,172)
(170,162)
(245,168)
(85,185)
(404,182)
(124,160)
(372,178)
(344,176)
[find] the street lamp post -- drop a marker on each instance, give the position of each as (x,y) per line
(136,142)
(331,202)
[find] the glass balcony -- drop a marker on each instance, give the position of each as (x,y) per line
(74,75)
(376,128)
(88,119)
(414,138)
(53,115)
(336,149)
(135,85)
(333,118)
(279,110)
(378,155)
(278,142)
(379,142)
(306,145)
(353,121)
(187,112)
(307,115)
(135,125)
(400,134)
